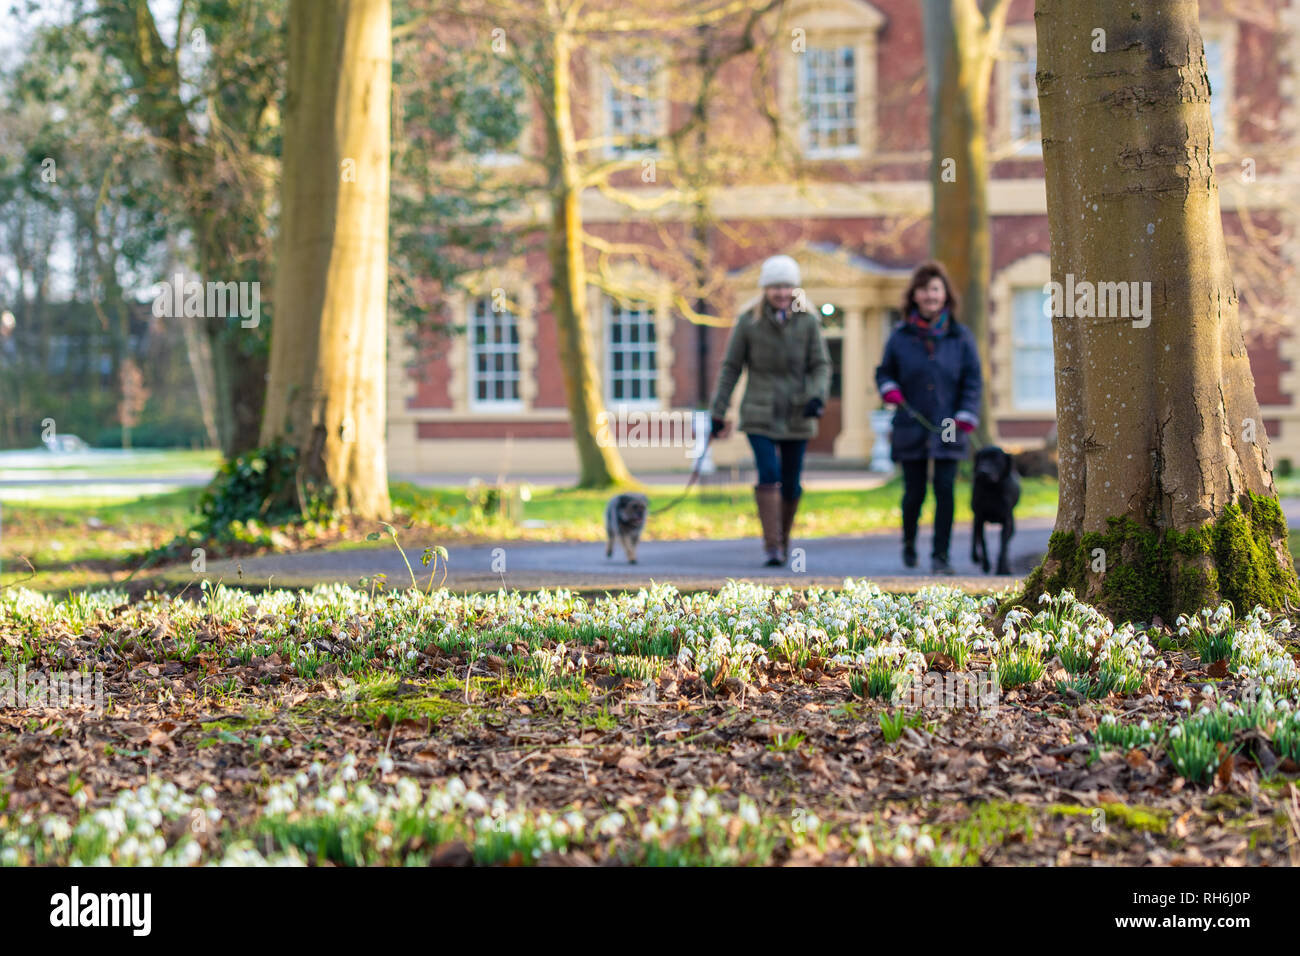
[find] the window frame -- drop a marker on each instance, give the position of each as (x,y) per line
(473,376)
(649,319)
(1017,344)
(854,99)
(833,23)
(608,68)
(1016,38)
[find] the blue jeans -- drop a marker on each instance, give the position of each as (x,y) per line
(786,471)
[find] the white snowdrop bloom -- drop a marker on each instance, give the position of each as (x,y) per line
(56,828)
(925,843)
(1175,731)
(348,773)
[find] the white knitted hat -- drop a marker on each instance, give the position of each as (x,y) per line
(779,270)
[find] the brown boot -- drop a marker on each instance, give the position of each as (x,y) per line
(768,498)
(788,509)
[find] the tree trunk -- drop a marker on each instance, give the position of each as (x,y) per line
(239,377)
(1167,500)
(326,394)
(960,44)
(600,464)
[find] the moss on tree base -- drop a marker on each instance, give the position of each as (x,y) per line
(1133,572)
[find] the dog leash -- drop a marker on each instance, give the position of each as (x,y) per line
(695,474)
(931,427)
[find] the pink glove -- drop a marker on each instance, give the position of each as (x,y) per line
(965,426)
(893,397)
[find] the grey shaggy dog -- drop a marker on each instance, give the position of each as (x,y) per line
(625,519)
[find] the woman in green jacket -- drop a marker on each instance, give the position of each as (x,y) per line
(789,375)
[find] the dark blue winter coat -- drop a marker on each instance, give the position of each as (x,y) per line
(943,383)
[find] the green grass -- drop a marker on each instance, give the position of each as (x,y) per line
(64,532)
(140,463)
(714,512)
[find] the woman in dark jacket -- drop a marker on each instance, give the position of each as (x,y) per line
(931,370)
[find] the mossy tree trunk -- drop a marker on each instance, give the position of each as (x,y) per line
(326,394)
(1167,500)
(961,43)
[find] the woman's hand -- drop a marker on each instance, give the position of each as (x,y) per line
(720,428)
(814,408)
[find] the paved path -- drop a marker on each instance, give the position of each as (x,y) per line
(688,564)
(827,561)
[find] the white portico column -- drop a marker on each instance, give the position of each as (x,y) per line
(856,389)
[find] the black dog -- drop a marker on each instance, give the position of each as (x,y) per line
(993,498)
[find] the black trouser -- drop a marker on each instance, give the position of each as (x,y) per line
(945,474)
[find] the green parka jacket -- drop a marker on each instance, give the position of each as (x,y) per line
(788,366)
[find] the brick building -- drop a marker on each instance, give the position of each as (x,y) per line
(856,220)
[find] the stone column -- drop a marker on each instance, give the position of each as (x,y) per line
(856,388)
